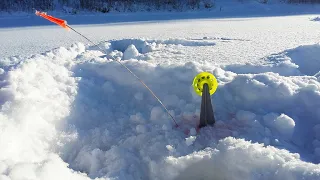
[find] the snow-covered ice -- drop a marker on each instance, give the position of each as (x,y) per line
(73,112)
(78,107)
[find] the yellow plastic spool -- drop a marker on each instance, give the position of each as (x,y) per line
(201,79)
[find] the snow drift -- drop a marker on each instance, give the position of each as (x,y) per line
(73,113)
(303,60)
(315,19)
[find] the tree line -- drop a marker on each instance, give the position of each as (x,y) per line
(114,5)
(101,5)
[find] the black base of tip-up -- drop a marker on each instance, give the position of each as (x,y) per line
(206,113)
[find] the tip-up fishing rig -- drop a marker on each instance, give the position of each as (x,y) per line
(64,25)
(205,84)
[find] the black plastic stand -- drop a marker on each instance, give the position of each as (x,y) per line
(206,113)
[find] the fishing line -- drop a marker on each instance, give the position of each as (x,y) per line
(132,73)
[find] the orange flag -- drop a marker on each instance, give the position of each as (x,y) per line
(60,22)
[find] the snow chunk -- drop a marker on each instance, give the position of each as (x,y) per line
(131,52)
(170,148)
(190,140)
(281,123)
(245,116)
(1,71)
(156,114)
(147,47)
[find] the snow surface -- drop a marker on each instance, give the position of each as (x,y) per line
(248,24)
(74,113)
(76,106)
(315,19)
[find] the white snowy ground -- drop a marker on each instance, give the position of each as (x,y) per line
(74,113)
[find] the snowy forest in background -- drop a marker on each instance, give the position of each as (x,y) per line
(105,6)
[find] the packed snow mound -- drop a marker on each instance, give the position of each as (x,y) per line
(307,58)
(284,68)
(148,45)
(123,44)
(150,49)
(245,160)
(131,52)
(37,94)
(78,111)
(283,124)
(303,60)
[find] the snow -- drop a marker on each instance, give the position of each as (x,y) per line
(274,21)
(282,123)
(106,125)
(131,52)
(190,140)
(315,19)
(245,116)
(73,112)
(246,160)
(306,58)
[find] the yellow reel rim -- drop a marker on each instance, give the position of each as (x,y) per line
(202,78)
